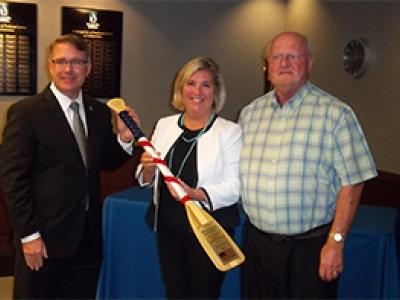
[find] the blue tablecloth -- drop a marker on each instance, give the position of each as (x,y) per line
(372,266)
(130,267)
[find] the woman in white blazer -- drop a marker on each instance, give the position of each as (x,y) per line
(203,151)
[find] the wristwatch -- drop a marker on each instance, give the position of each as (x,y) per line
(337,237)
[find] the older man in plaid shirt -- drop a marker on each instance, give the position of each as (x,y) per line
(303,164)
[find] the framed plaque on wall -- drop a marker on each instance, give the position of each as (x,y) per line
(17,48)
(102,29)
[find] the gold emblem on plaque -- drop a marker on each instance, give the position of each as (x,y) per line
(4,17)
(92,24)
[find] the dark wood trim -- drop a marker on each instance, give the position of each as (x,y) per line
(6,265)
(383,190)
(122,178)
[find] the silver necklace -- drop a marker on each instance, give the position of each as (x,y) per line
(192,140)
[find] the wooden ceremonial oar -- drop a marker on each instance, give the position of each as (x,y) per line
(219,246)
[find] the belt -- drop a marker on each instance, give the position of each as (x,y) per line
(313,233)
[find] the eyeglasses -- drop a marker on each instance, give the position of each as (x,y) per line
(62,62)
(291,58)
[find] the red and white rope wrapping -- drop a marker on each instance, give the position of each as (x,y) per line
(165,171)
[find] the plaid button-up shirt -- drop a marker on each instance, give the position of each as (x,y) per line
(295,159)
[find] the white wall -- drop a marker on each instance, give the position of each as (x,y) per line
(160,36)
(375,97)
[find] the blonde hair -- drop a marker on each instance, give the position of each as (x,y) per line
(198,64)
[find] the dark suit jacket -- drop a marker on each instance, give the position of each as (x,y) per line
(44,179)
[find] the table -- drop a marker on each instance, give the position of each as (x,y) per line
(372,266)
(130,267)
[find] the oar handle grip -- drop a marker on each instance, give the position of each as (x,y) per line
(148,147)
(131,124)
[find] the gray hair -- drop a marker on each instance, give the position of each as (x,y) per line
(307,46)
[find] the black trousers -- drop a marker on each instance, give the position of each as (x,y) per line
(186,270)
(282,267)
(75,277)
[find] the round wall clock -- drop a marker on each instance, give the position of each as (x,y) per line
(356,57)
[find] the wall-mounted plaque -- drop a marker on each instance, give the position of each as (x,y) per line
(17,48)
(102,29)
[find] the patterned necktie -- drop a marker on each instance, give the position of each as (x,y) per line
(79,131)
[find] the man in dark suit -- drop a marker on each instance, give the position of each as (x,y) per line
(51,178)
